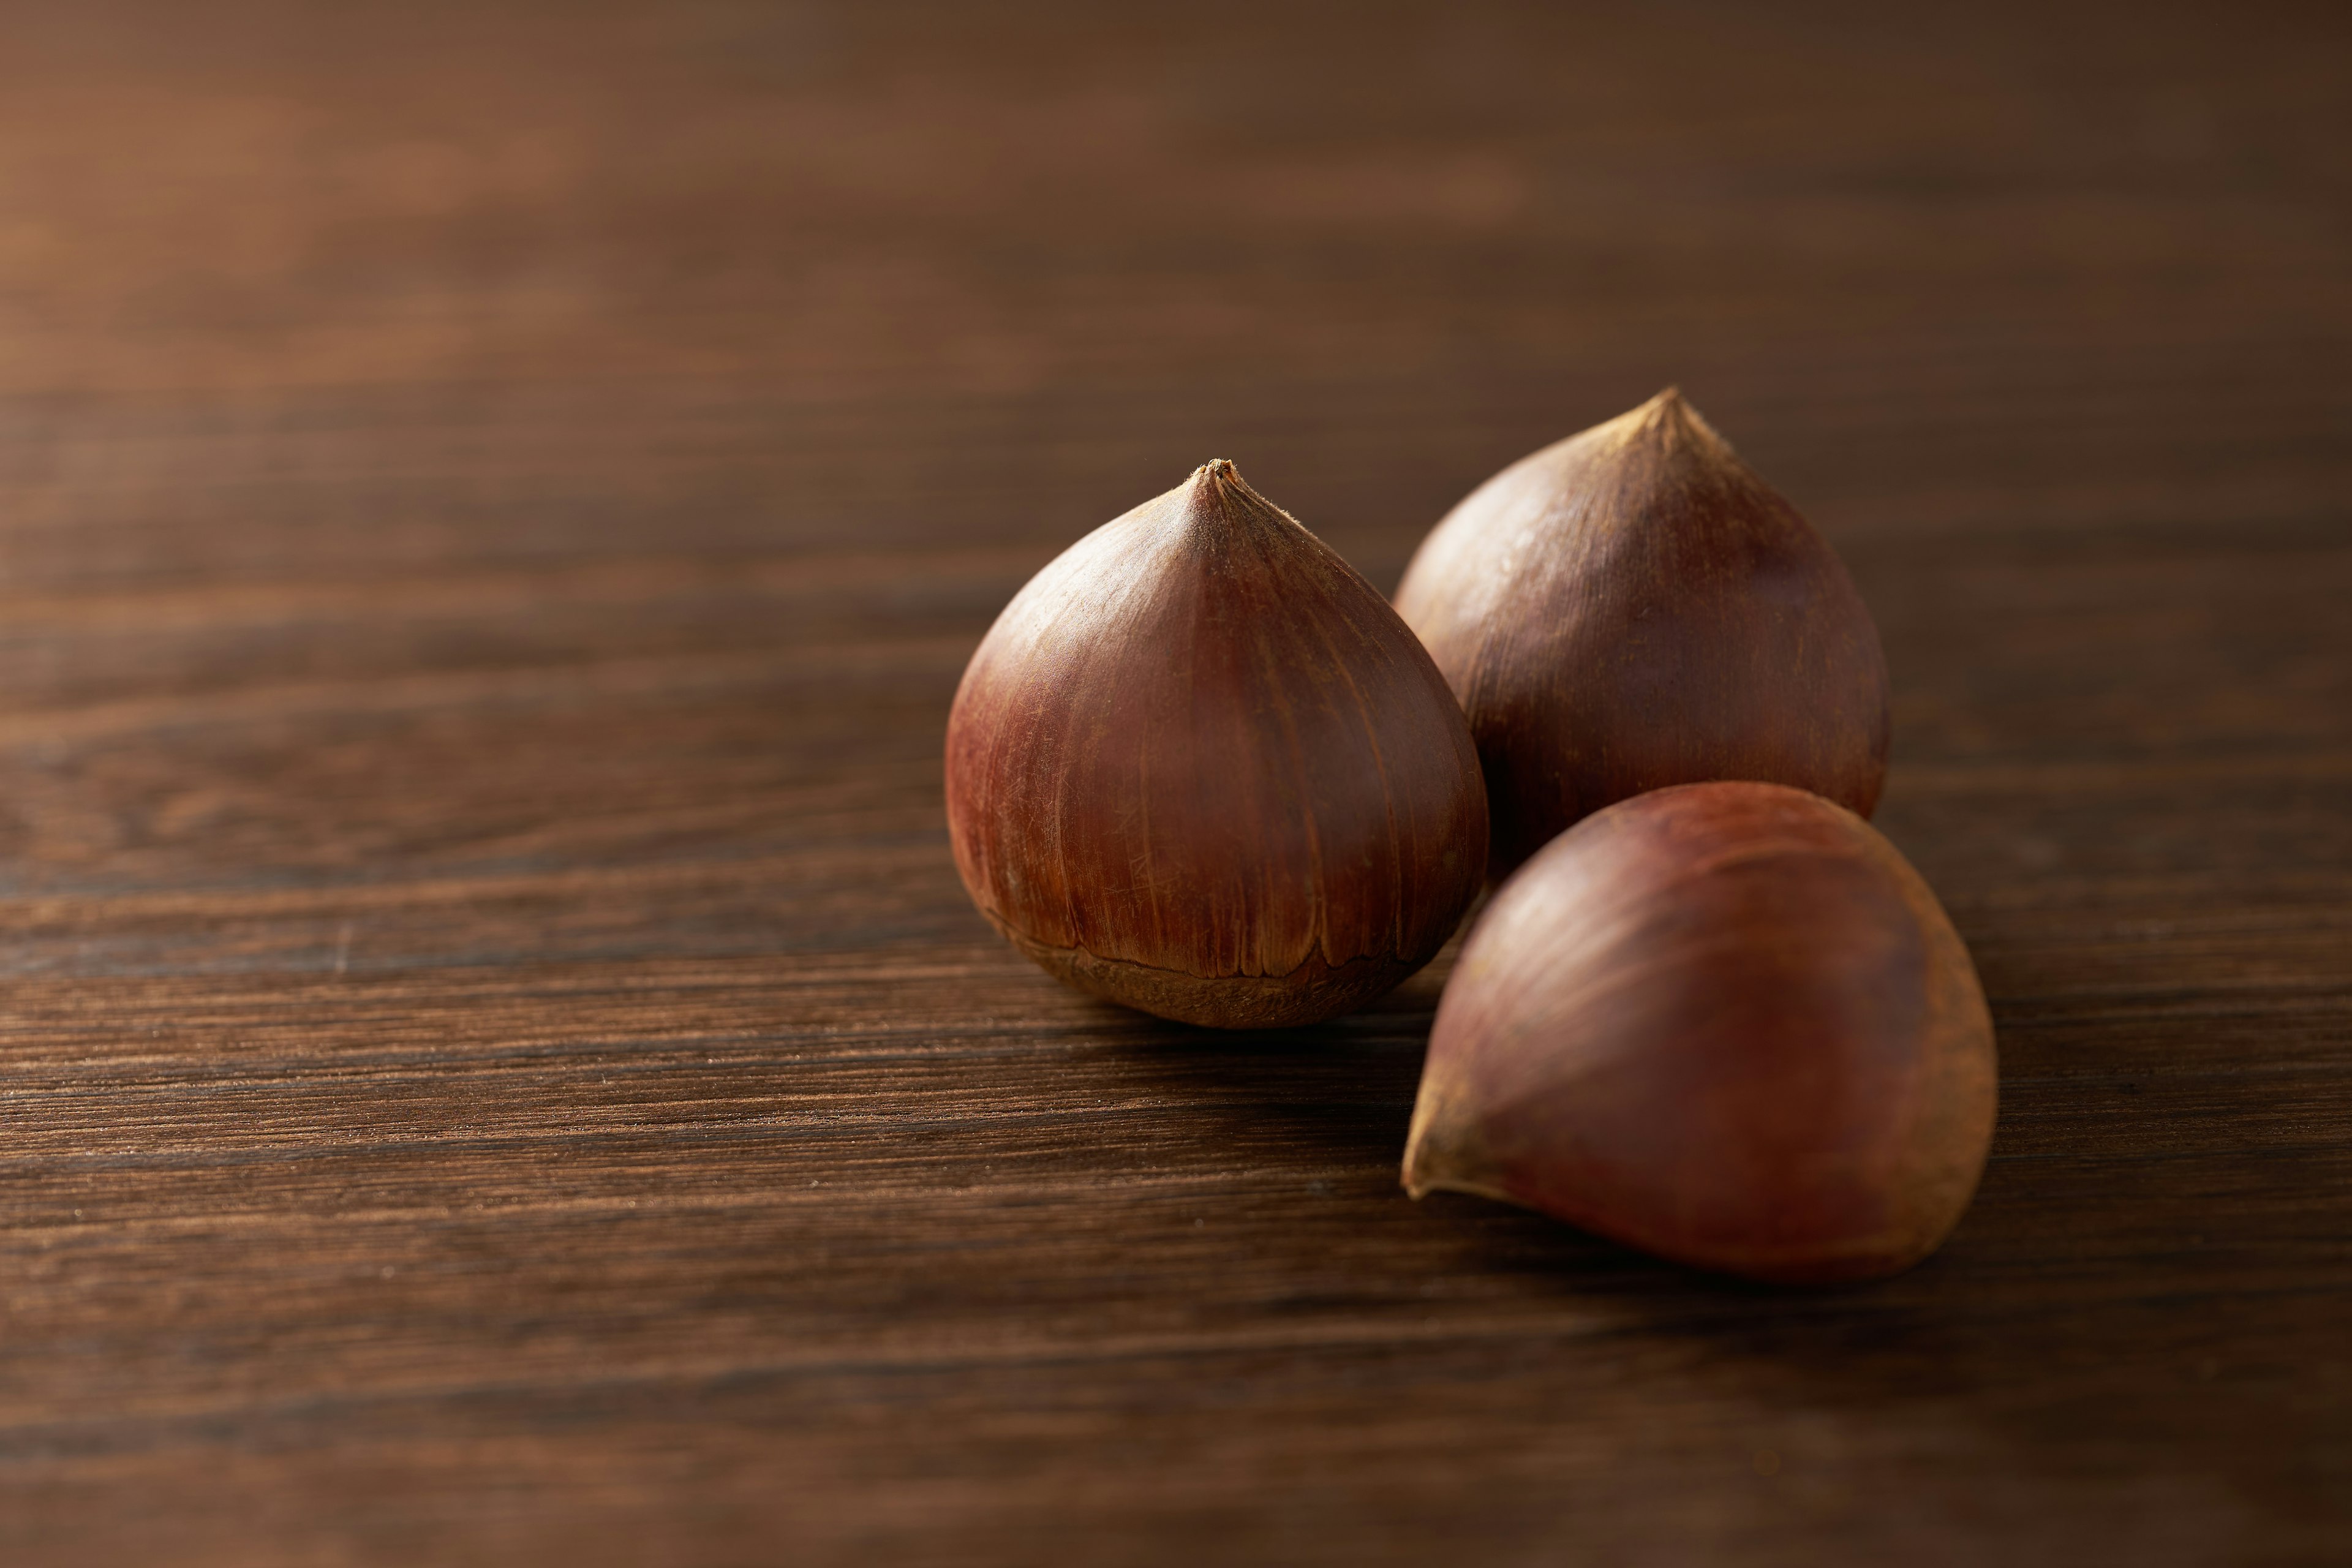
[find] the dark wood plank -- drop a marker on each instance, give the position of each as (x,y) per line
(494,503)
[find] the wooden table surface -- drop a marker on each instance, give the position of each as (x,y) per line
(493,506)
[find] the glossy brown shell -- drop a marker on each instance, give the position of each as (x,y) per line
(1725,1023)
(1633,607)
(1199,766)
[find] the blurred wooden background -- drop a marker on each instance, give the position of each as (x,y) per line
(494,502)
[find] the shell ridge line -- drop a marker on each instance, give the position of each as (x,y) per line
(1202,537)
(1143,870)
(1388,803)
(1017,726)
(1188,625)
(1126,536)
(1013,755)
(960,745)
(1066,753)
(1317,933)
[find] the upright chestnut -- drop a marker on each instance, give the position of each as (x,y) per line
(1725,1023)
(1199,767)
(1633,607)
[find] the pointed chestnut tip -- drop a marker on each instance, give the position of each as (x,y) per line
(1415,1180)
(1668,407)
(1441,1153)
(1419,1178)
(1669,419)
(1216,498)
(1218,478)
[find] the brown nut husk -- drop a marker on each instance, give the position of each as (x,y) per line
(1724,1022)
(1199,767)
(1633,607)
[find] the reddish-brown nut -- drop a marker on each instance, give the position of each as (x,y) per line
(1631,608)
(1199,766)
(1724,1022)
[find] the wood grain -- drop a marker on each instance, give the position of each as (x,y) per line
(493,505)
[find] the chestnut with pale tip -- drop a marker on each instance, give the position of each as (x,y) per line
(1633,607)
(1724,1022)
(1199,767)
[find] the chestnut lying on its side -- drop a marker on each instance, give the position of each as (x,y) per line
(1725,1023)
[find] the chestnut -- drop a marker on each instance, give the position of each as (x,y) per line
(1199,767)
(1725,1023)
(1633,607)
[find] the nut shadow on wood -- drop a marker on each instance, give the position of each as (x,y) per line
(1937,1359)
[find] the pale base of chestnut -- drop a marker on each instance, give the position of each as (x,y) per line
(1308,994)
